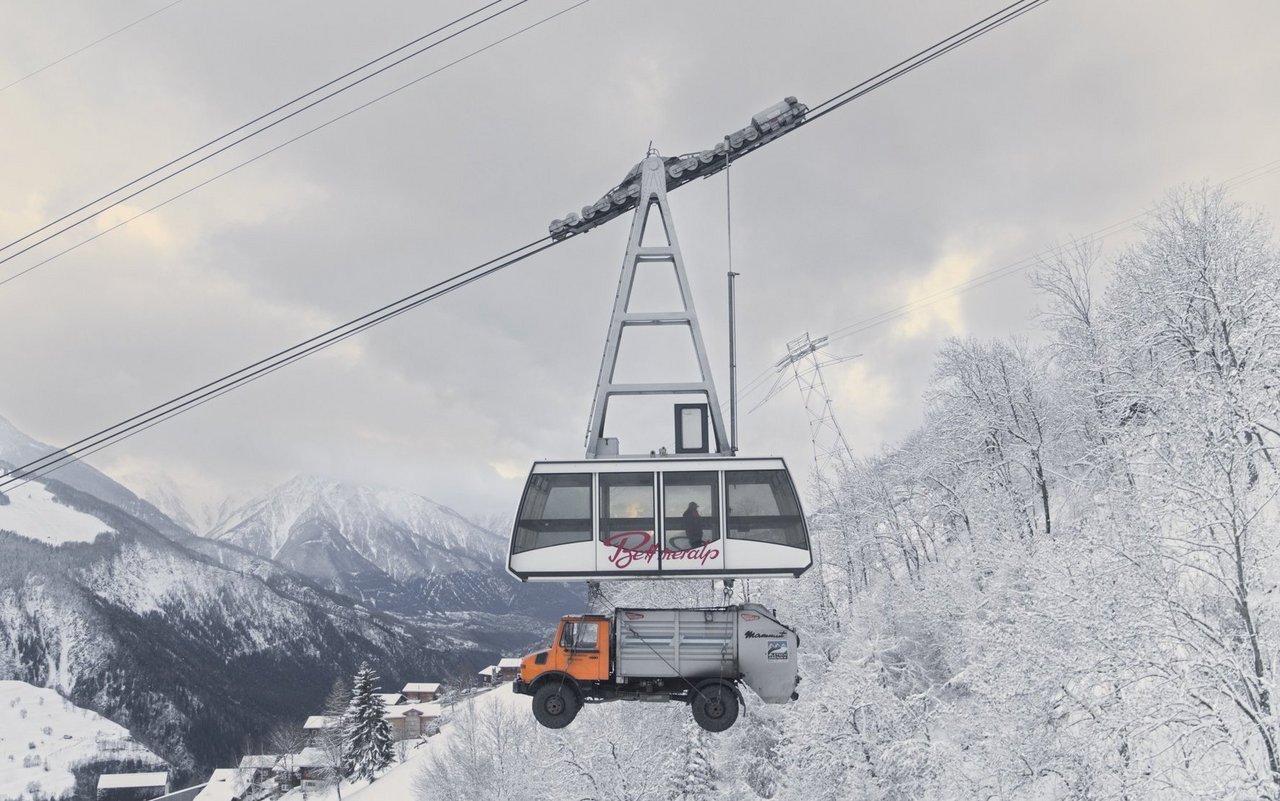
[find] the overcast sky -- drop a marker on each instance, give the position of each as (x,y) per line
(1077,116)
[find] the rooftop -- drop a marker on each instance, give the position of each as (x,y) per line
(117,781)
(509,662)
(259,761)
(422,687)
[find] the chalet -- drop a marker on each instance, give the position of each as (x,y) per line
(488,675)
(392,699)
(313,768)
(412,721)
(132,786)
(418,692)
(509,668)
(316,724)
(259,768)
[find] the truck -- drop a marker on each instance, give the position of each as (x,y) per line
(702,657)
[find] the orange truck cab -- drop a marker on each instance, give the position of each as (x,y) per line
(699,656)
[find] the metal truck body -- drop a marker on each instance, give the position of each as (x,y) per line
(699,656)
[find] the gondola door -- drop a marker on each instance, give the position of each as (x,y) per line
(627,541)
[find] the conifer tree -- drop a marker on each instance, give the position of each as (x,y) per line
(368,744)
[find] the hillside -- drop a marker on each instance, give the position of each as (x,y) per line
(45,740)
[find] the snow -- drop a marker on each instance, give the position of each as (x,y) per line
(76,736)
(396,784)
(117,781)
(34,513)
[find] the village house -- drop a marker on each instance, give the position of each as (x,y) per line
(412,721)
(259,768)
(506,670)
(392,699)
(421,692)
(315,726)
(313,768)
(132,786)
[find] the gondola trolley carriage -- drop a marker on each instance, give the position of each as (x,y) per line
(700,511)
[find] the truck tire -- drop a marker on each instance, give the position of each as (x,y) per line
(715,707)
(555,705)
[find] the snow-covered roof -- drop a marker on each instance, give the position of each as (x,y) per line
(390,699)
(217,791)
(118,781)
(224,774)
(259,760)
(310,757)
(428,709)
(316,722)
(421,687)
(509,662)
(489,671)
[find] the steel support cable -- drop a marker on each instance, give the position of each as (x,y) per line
(249,135)
(157,414)
(942,46)
(293,139)
(954,45)
(919,59)
(188,400)
(97,41)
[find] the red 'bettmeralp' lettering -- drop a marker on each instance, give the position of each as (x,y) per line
(630,547)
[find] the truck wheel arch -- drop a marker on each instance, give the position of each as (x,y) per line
(733,687)
(557,677)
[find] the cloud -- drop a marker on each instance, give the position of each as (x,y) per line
(934,307)
(865,401)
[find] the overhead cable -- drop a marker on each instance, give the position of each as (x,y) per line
(250,134)
(97,41)
(295,138)
(245,375)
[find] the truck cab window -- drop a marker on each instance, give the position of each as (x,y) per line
(580,636)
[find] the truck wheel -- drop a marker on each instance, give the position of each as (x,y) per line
(715,707)
(555,705)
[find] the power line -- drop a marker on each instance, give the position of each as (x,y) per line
(99,41)
(187,401)
(249,135)
(245,375)
(293,139)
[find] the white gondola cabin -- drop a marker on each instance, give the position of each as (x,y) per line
(603,519)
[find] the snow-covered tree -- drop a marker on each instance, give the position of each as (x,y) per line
(368,746)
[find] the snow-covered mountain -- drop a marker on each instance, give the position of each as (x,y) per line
(322,527)
(191,644)
(394,551)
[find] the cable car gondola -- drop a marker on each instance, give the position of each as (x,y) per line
(720,517)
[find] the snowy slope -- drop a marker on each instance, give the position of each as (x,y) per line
(31,511)
(397,783)
(17,449)
(64,736)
